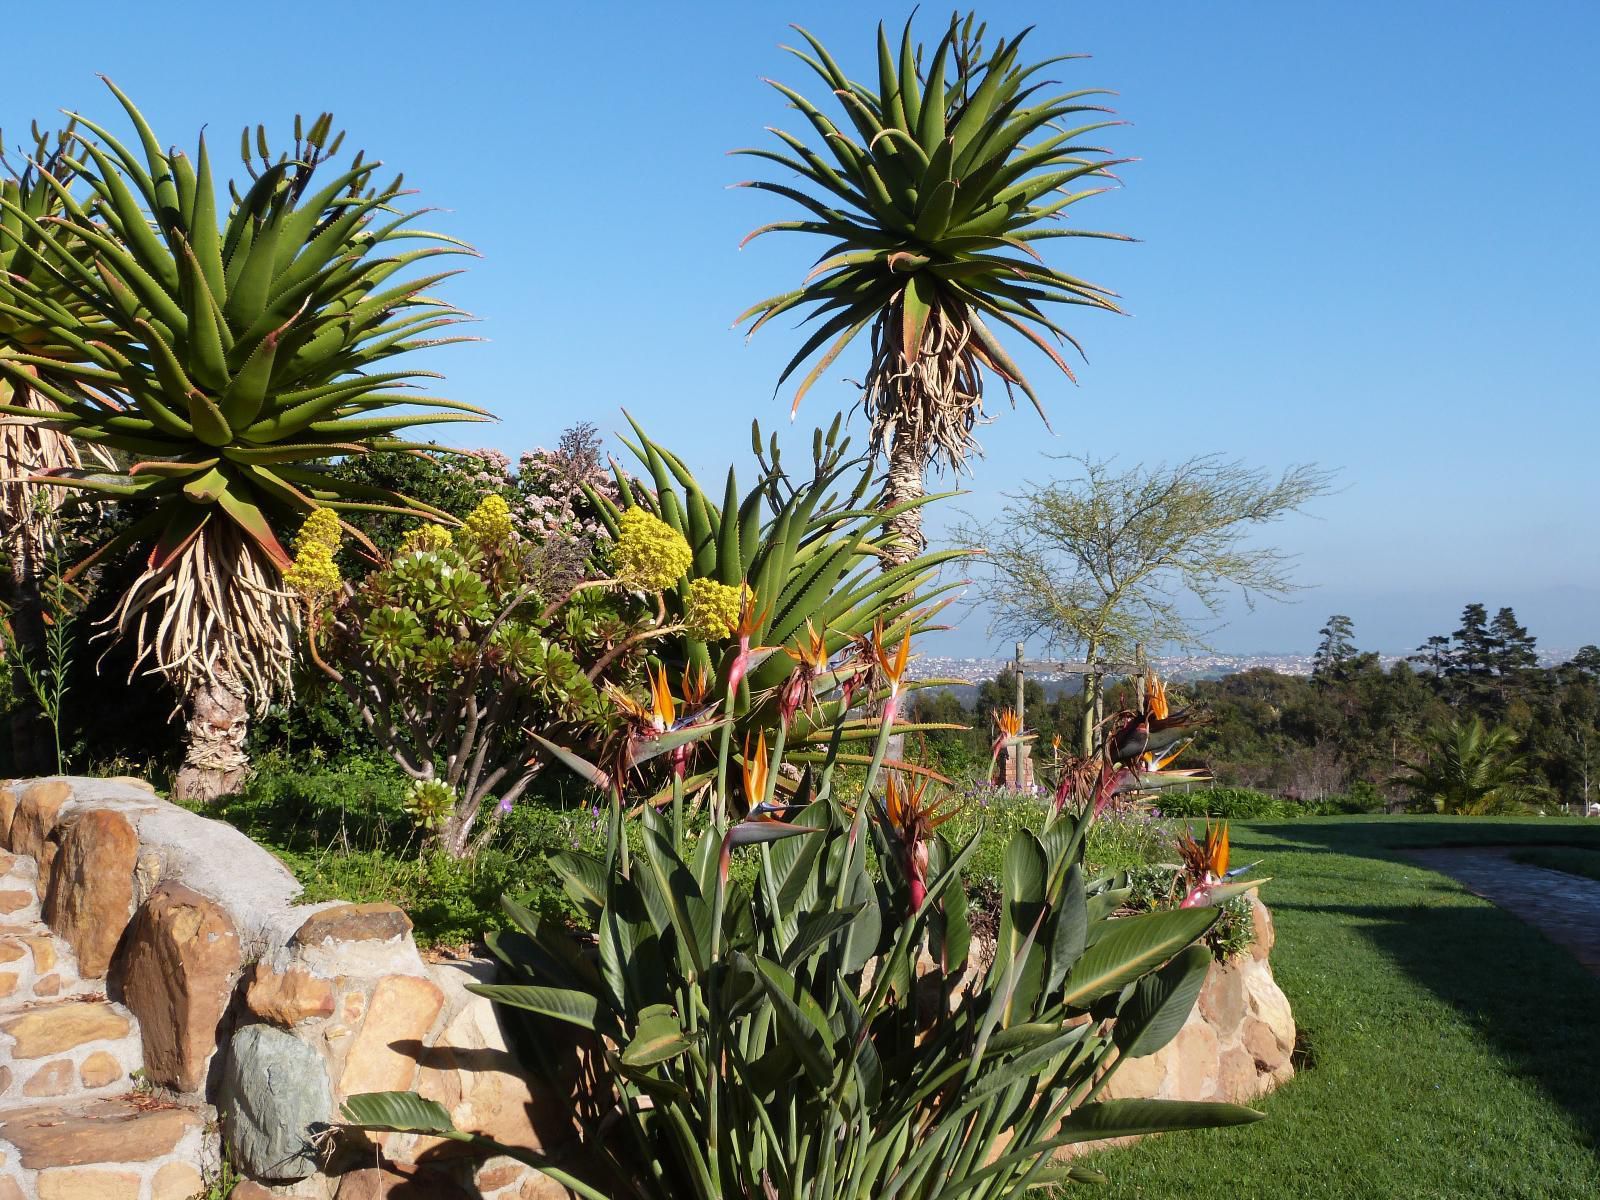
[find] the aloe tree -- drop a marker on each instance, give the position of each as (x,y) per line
(227,352)
(931,196)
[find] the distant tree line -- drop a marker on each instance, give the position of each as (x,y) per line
(1355,726)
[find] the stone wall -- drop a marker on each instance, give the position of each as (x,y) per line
(269,1011)
(275,1012)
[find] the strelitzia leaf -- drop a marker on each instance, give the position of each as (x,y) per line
(1161,1003)
(1130,947)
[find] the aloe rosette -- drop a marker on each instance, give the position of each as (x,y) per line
(226,356)
(931,195)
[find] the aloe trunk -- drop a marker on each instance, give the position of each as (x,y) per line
(215,763)
(904,485)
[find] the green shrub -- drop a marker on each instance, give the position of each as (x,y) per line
(1228,804)
(1362,797)
(342,829)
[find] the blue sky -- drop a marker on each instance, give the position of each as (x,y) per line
(1368,240)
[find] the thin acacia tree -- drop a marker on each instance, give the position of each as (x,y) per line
(1113,559)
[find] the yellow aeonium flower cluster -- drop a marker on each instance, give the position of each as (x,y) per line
(649,554)
(489,525)
(712,610)
(314,574)
(425,539)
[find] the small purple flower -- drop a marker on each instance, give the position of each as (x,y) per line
(504,807)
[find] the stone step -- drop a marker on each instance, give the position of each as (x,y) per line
(124,1147)
(36,965)
(66,1048)
(19,889)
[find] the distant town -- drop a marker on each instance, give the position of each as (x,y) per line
(1198,666)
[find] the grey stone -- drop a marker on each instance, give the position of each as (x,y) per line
(275,1099)
(218,861)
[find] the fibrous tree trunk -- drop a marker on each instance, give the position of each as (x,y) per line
(903,485)
(215,763)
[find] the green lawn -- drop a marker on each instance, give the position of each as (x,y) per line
(1454,1053)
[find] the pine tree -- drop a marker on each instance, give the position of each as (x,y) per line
(1473,651)
(1336,649)
(1433,653)
(1513,645)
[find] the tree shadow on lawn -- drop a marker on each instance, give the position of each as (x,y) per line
(1529,999)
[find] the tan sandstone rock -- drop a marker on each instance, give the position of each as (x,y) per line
(8,809)
(1266,934)
(1222,997)
(288,997)
(88,1183)
(43,950)
(98,1131)
(177,1181)
(1194,1062)
(99,1070)
(387,1183)
(353,923)
(47,985)
(52,1079)
(91,885)
(10,1191)
(54,1028)
(1269,1027)
(35,816)
(1237,1080)
(14,900)
(383,1057)
(10,950)
(495,1175)
(470,1071)
(1139,1078)
(177,972)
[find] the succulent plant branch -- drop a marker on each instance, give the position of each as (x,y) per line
(931,195)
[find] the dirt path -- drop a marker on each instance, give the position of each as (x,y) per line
(1565,908)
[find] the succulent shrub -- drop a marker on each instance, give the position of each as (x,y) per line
(455,646)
